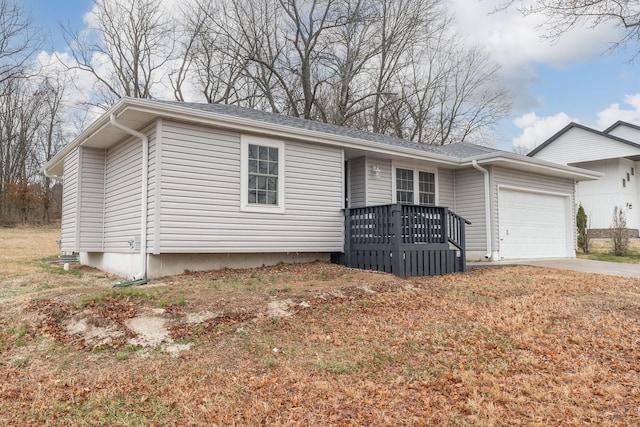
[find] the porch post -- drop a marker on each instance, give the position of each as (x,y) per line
(397,261)
(347,237)
(463,243)
(445,225)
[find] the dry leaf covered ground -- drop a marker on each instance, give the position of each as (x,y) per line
(314,345)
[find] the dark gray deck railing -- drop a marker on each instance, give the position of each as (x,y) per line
(404,240)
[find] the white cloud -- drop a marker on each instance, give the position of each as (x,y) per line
(614,112)
(536,130)
(515,43)
(514,39)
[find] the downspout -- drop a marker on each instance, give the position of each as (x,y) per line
(487,206)
(145,190)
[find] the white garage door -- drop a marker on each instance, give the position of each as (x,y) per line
(533,225)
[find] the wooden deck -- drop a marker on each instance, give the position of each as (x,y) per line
(405,240)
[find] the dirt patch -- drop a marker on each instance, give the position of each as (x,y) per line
(94,331)
(201,316)
(150,331)
(280,308)
(131,317)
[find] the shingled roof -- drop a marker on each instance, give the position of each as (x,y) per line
(458,150)
(137,113)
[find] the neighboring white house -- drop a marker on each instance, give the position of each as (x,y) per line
(614,152)
(154,188)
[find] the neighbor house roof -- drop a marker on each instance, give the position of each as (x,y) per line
(573,125)
(621,123)
(137,113)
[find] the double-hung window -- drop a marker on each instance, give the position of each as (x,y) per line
(404,185)
(262,174)
(427,188)
(424,193)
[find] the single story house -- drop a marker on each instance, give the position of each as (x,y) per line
(614,152)
(154,188)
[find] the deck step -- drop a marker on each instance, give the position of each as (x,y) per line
(65,259)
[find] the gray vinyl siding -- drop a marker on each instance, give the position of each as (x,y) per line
(532,181)
(70,203)
(446,188)
(379,187)
(200,198)
(469,203)
(92,200)
(357,182)
(122,201)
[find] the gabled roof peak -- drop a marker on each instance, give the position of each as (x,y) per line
(572,125)
(620,123)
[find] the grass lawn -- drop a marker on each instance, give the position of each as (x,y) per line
(314,344)
(602,250)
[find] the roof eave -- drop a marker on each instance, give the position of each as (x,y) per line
(543,166)
(134,106)
(283,131)
(177,112)
(54,167)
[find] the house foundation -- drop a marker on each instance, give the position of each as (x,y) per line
(127,265)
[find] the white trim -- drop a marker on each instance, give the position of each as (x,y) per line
(488,220)
(245,140)
(532,190)
(104,198)
(366,181)
(79,199)
(416,185)
(157,215)
(343,180)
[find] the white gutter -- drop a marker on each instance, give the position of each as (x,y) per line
(549,168)
(487,206)
(145,190)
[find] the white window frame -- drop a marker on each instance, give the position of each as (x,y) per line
(416,185)
(245,206)
(435,187)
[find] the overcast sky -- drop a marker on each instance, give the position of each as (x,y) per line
(551,84)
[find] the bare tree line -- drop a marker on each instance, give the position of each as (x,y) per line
(30,122)
(395,67)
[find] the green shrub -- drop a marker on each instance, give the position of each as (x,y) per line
(583,231)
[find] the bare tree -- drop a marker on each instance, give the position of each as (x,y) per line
(308,24)
(18,39)
(215,64)
(51,135)
(31,132)
(250,31)
(441,91)
(402,24)
(619,232)
(125,49)
(353,46)
(564,15)
(20,119)
(388,66)
(471,101)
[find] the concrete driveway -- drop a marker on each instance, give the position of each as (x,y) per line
(572,264)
